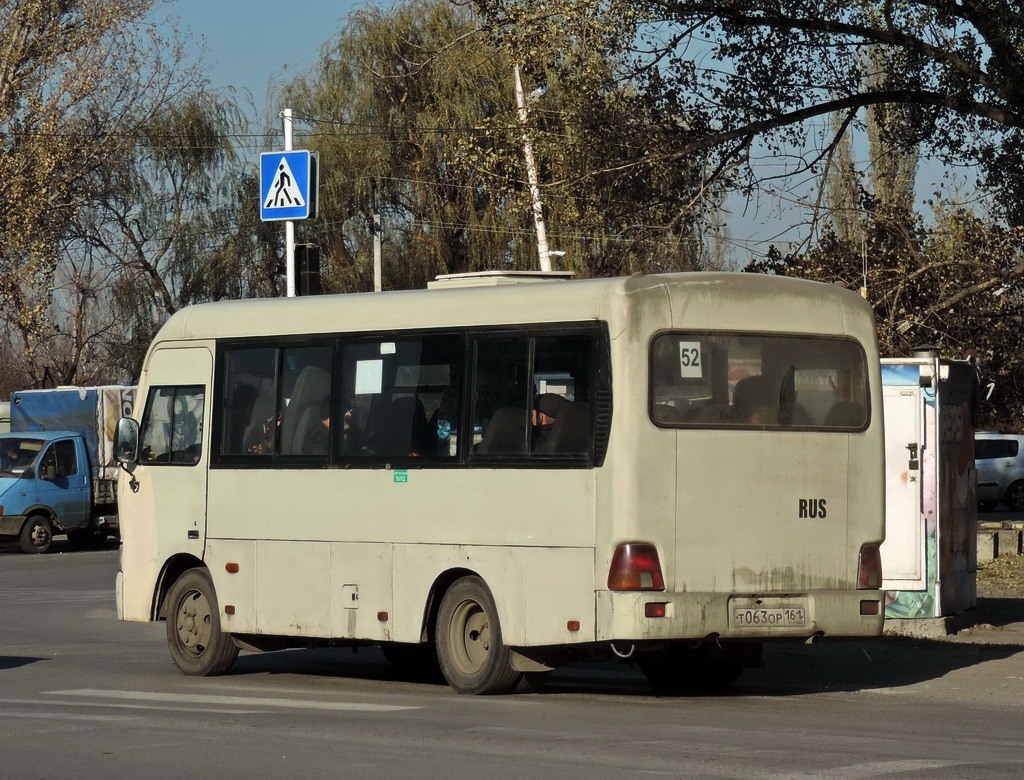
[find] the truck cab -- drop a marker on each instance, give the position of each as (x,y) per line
(44,488)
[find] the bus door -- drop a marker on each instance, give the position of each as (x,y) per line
(173,452)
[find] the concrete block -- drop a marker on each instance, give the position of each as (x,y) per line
(1010,542)
(988,545)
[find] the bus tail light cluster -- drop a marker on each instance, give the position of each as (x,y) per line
(869,567)
(636,566)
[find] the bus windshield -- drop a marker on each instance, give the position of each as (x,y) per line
(708,379)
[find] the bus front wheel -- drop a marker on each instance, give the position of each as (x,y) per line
(472,656)
(197,644)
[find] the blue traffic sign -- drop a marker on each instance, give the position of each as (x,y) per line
(288,184)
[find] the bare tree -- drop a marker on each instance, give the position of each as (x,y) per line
(77,80)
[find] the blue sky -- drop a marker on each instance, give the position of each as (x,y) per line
(247,44)
(244,44)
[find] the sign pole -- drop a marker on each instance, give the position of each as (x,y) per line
(289,226)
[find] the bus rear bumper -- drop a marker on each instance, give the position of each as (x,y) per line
(654,616)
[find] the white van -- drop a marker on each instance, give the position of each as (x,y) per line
(999,458)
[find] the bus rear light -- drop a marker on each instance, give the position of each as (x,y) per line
(635,566)
(869,567)
(869,608)
(655,609)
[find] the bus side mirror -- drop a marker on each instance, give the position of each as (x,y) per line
(48,473)
(126,447)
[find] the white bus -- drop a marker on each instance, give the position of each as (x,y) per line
(365,469)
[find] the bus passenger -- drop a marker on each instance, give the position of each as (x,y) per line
(351,438)
(546,407)
(318,438)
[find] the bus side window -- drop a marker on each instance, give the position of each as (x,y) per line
(405,396)
(501,395)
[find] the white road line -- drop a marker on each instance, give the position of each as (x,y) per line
(48,716)
(878,769)
(185,698)
(51,703)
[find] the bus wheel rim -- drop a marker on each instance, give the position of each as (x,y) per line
(470,632)
(194,622)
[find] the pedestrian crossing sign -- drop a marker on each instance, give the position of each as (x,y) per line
(288,185)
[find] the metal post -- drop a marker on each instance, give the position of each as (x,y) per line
(531,174)
(377,273)
(289,225)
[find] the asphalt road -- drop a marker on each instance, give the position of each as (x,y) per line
(83,695)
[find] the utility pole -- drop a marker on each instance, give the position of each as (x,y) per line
(531,174)
(289,226)
(377,238)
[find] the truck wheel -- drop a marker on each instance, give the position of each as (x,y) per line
(36,535)
(87,538)
(472,656)
(197,644)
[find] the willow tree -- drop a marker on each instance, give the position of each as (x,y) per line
(415,116)
(389,107)
(173,218)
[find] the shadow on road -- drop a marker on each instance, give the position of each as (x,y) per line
(790,669)
(17,661)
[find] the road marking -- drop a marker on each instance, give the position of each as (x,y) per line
(878,768)
(185,698)
(51,703)
(48,716)
(41,596)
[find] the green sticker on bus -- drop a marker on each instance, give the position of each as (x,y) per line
(401,475)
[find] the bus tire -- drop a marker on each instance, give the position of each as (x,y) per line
(197,644)
(36,535)
(470,651)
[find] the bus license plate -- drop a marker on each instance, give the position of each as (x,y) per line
(769,617)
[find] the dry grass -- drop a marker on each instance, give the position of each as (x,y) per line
(1003,576)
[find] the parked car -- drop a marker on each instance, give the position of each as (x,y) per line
(999,458)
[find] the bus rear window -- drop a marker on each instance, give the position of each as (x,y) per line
(712,379)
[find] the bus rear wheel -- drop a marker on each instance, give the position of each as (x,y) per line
(470,650)
(197,644)
(36,535)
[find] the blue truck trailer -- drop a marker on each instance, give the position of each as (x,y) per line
(57,468)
